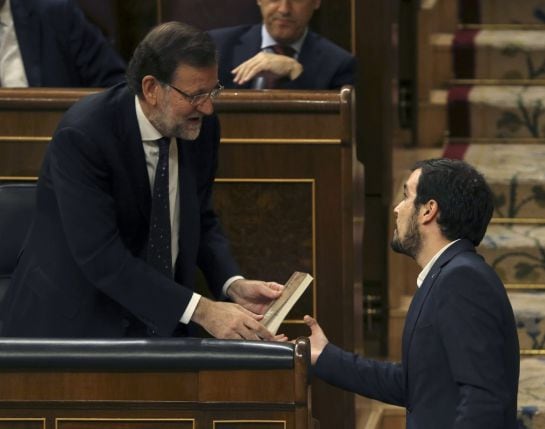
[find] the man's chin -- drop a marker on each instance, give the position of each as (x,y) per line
(395,245)
(190,134)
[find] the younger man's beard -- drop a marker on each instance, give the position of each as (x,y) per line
(412,242)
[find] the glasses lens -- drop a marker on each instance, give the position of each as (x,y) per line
(199,99)
(216,91)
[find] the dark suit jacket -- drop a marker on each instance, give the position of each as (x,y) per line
(82,272)
(325,65)
(60,48)
(460,363)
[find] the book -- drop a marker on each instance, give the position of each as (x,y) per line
(279,309)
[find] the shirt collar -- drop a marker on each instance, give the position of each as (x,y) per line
(5,14)
(424,273)
(267,40)
(147,131)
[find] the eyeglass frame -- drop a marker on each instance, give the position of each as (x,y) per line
(194,99)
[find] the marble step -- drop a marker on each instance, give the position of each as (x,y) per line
(529,309)
(517,253)
(531,394)
(516,174)
(526,12)
(493,111)
(498,56)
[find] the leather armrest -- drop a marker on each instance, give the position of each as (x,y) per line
(139,354)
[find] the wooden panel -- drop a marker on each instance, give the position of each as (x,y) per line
(334,21)
(208,14)
(376,51)
(241,386)
(134,19)
(90,399)
(20,156)
(72,385)
(249,424)
(270,224)
(21,423)
(289,191)
(91,423)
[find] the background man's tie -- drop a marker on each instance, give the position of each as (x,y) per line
(159,253)
(268,80)
(286,50)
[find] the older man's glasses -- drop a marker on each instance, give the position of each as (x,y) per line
(198,99)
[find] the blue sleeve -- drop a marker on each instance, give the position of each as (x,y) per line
(383,381)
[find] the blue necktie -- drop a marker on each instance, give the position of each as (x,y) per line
(159,253)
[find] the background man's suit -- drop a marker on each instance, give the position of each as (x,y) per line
(460,351)
(83,267)
(60,48)
(325,65)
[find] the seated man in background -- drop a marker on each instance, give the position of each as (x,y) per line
(124,211)
(282,52)
(50,43)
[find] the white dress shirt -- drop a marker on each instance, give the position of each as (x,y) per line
(12,69)
(424,273)
(149,136)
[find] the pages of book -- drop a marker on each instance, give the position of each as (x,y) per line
(279,309)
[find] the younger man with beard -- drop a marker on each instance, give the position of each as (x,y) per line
(90,267)
(460,361)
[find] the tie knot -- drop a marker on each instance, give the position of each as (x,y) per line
(163,143)
(286,50)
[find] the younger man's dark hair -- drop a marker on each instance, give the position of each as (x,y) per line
(464,198)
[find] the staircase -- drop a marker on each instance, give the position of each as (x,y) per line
(481,98)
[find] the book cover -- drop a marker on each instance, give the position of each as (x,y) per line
(279,309)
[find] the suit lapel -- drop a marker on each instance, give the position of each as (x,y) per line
(128,124)
(310,51)
(417,303)
(415,309)
(28,29)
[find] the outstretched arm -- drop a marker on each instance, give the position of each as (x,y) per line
(317,338)
(383,381)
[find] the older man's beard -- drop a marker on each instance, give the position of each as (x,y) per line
(186,129)
(412,242)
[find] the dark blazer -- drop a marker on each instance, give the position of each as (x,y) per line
(60,48)
(325,65)
(82,272)
(460,363)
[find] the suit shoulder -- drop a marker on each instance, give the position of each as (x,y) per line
(50,9)
(101,108)
(468,273)
(228,34)
(328,46)
(229,31)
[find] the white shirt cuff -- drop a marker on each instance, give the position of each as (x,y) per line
(190,309)
(228,283)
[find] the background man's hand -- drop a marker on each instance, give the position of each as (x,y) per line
(317,338)
(254,295)
(280,65)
